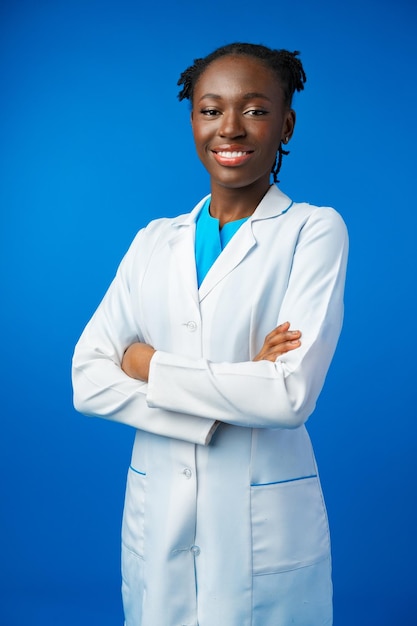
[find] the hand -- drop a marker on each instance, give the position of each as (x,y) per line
(279,341)
(136,361)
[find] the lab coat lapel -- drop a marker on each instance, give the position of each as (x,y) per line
(182,244)
(230,257)
(182,247)
(272,204)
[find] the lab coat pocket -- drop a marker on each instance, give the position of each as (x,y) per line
(289,525)
(134,512)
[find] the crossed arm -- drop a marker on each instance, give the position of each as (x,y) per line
(182,397)
(137,358)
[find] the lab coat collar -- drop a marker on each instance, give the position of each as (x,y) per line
(272,204)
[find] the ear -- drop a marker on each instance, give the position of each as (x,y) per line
(288,126)
(191,116)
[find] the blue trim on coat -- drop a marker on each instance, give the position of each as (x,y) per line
(137,471)
(280,482)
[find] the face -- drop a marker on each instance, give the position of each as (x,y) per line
(239,118)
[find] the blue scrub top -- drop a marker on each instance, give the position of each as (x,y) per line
(210,239)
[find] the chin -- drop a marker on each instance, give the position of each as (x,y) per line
(236,181)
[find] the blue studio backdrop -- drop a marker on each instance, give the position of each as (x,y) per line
(90,130)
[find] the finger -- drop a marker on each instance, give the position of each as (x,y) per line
(278,338)
(279,329)
(283,326)
(286,346)
(274,353)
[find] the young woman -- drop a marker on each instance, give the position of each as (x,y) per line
(224,521)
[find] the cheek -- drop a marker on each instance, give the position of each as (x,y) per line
(271,143)
(197,134)
(200,141)
(275,136)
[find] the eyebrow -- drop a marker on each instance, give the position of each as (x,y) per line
(246,96)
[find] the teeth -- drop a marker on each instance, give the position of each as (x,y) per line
(231,155)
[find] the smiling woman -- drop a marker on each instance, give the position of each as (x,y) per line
(224,522)
(239,120)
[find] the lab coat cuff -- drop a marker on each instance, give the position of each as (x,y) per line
(199,429)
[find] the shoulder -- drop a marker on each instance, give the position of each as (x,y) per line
(161,230)
(322,230)
(278,212)
(311,214)
(277,204)
(167,225)
(310,224)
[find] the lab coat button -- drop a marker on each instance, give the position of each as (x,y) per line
(191,326)
(187,472)
(195,550)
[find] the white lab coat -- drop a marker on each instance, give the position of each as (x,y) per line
(224,521)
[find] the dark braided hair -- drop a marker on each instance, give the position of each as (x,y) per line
(286,66)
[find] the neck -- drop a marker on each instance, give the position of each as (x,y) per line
(228,205)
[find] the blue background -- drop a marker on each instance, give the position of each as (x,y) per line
(90,131)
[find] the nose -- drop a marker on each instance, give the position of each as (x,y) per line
(231,125)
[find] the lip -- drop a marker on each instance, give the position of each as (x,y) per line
(231,155)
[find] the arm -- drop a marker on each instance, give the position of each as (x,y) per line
(265,394)
(100,386)
(137,358)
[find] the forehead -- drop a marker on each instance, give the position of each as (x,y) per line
(238,74)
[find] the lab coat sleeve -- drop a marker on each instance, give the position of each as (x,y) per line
(102,389)
(264,394)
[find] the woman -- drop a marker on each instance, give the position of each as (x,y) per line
(224,521)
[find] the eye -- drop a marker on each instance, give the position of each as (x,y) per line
(209,112)
(256,112)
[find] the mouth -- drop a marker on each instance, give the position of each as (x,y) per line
(227,154)
(231,157)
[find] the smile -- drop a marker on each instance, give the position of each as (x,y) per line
(231,155)
(232,158)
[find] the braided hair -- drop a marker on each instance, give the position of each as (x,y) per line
(286,66)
